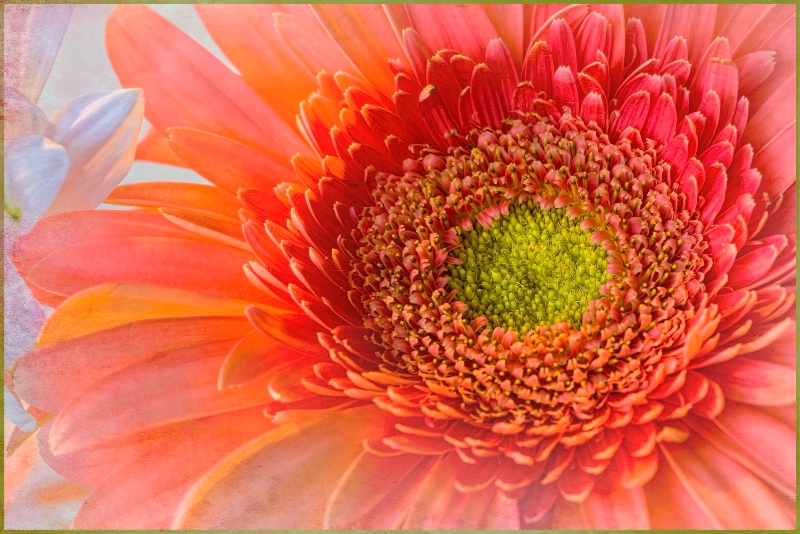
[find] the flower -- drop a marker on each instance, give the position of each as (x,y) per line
(512,267)
(68,162)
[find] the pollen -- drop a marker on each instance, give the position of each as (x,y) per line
(530,268)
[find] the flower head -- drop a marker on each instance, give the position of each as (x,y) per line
(512,267)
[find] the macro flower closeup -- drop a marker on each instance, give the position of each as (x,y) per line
(454,267)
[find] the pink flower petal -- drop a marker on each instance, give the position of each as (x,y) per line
(126,403)
(50,377)
(509,22)
(137,40)
(376,492)
(616,509)
(258,485)
(728,492)
(755,382)
(176,462)
(661,122)
(166,262)
(690,22)
(739,433)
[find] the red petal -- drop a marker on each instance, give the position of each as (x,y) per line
(538,67)
(661,121)
(561,42)
(565,88)
(593,109)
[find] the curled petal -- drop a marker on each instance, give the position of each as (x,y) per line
(99,132)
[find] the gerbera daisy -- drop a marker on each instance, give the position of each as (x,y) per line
(510,267)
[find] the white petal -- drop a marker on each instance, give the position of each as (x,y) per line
(99,131)
(33,35)
(35,169)
(15,413)
(22,116)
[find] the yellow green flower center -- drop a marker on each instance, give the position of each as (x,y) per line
(529,268)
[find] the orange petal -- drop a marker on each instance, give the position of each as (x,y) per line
(244,33)
(154,147)
(228,163)
(197,197)
(111,305)
(365,35)
(219,228)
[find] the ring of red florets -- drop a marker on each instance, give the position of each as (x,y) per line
(550,379)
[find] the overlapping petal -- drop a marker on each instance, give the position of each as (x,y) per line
(651,124)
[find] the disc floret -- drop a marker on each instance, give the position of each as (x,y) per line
(533,267)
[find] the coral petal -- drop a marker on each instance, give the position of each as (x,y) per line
(375,492)
(318,448)
(138,39)
(755,382)
(176,463)
(728,492)
(616,509)
(195,197)
(163,261)
(227,163)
